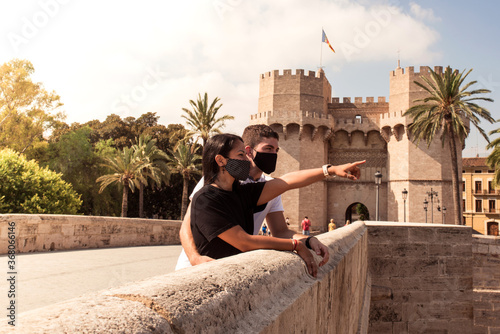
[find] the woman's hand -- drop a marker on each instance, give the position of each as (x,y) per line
(308,258)
(320,250)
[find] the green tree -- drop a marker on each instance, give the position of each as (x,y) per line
(362,211)
(185,161)
(27,110)
(79,162)
(28,188)
(203,118)
(444,112)
(494,158)
(155,167)
(126,171)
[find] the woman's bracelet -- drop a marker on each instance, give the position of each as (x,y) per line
(294,242)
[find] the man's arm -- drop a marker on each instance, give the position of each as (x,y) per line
(187,241)
(277,224)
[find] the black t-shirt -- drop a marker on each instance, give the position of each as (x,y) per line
(214,211)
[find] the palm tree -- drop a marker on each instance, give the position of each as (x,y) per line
(202,119)
(155,167)
(184,160)
(127,169)
(494,158)
(445,111)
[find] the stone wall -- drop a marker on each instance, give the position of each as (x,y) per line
(486,274)
(421,278)
(37,233)
(381,278)
(262,291)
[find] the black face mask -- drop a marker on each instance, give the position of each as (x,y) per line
(266,161)
(239,169)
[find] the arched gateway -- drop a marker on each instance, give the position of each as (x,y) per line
(357,211)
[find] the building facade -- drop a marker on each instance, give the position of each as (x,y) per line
(316,129)
(480,198)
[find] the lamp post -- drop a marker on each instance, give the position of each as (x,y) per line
(432,194)
(425,208)
(405,196)
(378,181)
(443,210)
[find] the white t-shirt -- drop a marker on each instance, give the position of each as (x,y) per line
(274,205)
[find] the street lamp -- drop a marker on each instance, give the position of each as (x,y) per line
(432,194)
(425,208)
(443,210)
(378,181)
(405,196)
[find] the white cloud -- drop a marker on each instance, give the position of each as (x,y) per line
(422,13)
(94,53)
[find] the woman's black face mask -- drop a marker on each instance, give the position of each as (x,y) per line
(266,162)
(239,169)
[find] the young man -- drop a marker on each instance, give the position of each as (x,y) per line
(306,224)
(261,145)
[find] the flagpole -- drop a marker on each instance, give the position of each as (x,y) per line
(321,50)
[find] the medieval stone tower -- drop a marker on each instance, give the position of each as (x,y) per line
(316,129)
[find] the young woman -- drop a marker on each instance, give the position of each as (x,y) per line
(222,211)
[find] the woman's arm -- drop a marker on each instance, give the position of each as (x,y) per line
(306,177)
(245,242)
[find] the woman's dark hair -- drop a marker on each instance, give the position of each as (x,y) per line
(218,144)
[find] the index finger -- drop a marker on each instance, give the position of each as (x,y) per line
(357,163)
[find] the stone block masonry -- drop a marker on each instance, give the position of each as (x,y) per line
(41,233)
(421,278)
(486,276)
(262,291)
(381,278)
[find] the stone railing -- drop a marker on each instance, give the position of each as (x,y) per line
(37,233)
(262,291)
(381,278)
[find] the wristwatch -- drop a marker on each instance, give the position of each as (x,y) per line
(325,170)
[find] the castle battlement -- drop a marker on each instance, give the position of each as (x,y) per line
(299,73)
(357,100)
(410,70)
(290,115)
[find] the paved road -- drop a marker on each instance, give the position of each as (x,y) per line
(48,278)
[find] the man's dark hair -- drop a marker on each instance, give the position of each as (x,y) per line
(253,134)
(219,144)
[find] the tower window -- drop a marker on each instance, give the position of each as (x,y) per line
(358,119)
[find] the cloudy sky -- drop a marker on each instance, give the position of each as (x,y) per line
(133,57)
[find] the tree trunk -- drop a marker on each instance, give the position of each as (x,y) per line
(125,201)
(184,204)
(141,200)
(455,181)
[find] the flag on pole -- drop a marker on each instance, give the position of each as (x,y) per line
(325,40)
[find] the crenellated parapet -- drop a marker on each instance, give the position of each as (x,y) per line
(358,102)
(410,71)
(288,74)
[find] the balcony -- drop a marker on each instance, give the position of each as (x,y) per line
(483,192)
(490,210)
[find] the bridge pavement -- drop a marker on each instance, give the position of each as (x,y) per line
(47,278)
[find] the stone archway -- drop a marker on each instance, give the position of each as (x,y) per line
(357,211)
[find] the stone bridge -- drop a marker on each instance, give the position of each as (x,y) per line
(381,278)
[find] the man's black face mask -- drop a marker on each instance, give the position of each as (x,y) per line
(266,162)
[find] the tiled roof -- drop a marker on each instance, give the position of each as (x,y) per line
(474,162)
